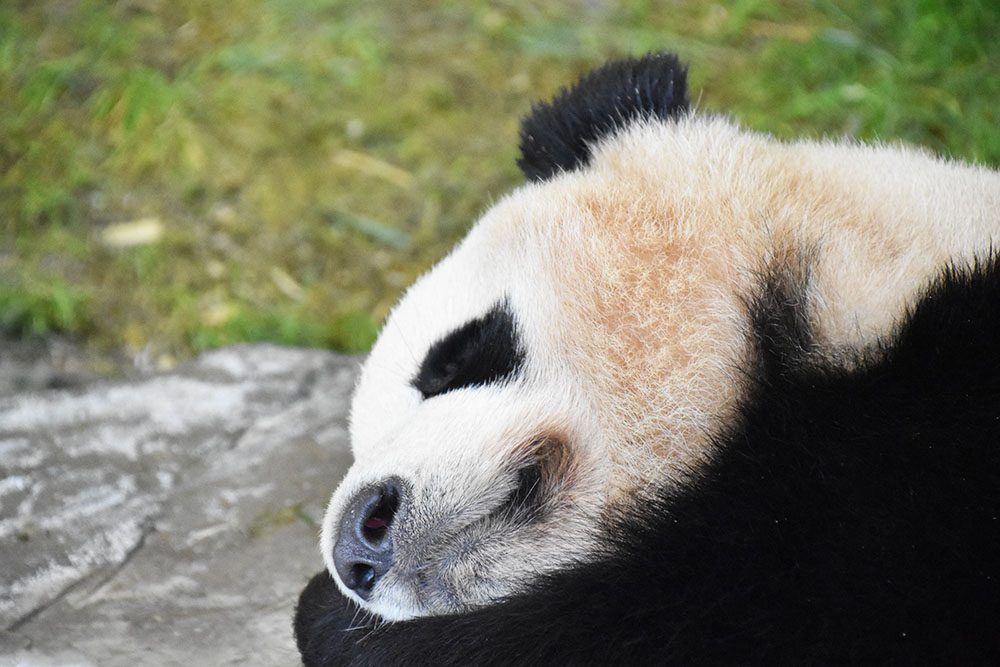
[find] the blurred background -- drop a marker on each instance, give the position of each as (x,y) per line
(177,175)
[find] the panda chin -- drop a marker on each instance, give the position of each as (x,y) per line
(389,605)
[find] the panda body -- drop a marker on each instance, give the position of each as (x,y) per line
(691,394)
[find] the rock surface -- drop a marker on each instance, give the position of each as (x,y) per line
(169,519)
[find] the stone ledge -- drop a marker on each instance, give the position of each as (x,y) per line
(170,519)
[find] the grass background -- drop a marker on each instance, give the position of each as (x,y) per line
(182,174)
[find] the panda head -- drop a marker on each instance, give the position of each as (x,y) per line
(498,416)
(689,395)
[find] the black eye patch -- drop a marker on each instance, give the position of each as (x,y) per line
(482,351)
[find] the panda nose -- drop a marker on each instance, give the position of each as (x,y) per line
(363,552)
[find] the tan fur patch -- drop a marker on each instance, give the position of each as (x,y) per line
(672,225)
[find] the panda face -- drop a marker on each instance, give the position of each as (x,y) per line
(477,452)
(591,337)
(521,388)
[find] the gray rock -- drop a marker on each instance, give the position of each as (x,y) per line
(170,519)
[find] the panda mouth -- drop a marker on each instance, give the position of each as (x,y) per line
(458,547)
(443,563)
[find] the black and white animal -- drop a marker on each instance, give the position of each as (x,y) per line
(691,395)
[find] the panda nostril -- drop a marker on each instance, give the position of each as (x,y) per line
(376,525)
(362,578)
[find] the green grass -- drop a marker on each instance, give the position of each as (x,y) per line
(299,162)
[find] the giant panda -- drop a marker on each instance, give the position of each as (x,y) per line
(690,395)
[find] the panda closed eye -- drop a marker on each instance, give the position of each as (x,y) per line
(483,351)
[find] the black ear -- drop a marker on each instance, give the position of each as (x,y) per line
(557,137)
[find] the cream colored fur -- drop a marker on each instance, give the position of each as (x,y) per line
(629,280)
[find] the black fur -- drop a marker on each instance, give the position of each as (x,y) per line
(482,351)
(850,516)
(558,136)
